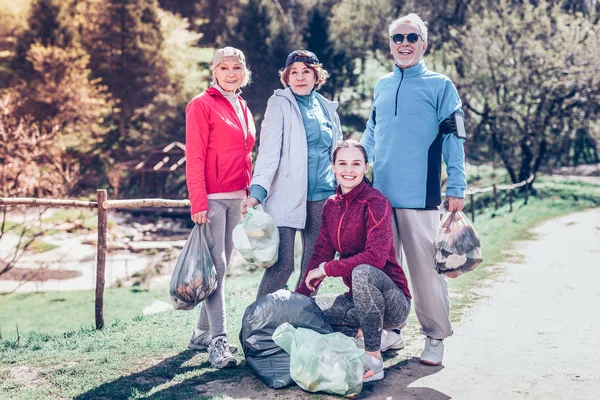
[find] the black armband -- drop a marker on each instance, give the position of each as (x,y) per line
(454,124)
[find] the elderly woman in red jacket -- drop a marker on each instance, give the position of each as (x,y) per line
(357,224)
(220,136)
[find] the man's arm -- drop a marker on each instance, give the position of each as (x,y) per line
(453,148)
(368,138)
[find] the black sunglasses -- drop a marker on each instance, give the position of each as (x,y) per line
(410,37)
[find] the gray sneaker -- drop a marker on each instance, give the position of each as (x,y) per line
(201,342)
(220,355)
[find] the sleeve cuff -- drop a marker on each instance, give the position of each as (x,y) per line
(322,268)
(258,192)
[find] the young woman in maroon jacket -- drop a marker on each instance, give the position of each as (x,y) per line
(219,140)
(357,224)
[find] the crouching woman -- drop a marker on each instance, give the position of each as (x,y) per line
(357,224)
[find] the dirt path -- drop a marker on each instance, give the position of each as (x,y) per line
(534,336)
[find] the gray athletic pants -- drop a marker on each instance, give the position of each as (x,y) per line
(414,234)
(224,215)
(276,276)
(376,304)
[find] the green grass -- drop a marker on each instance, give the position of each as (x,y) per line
(146,357)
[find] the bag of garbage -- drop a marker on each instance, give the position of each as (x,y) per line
(458,248)
(195,276)
(256,237)
(264,357)
(328,363)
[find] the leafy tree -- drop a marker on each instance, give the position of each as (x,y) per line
(13,22)
(251,33)
(49,25)
(531,85)
(124,40)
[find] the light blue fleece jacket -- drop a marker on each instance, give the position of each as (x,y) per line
(403,142)
(319,136)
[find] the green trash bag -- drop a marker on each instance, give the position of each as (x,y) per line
(328,363)
(195,276)
(256,237)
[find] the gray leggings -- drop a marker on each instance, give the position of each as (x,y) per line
(376,304)
(224,215)
(276,276)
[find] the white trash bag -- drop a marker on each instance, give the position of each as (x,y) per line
(256,237)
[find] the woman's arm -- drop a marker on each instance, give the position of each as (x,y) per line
(197,131)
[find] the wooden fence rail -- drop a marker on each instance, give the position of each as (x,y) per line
(103,205)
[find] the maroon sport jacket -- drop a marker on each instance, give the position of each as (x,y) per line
(358,225)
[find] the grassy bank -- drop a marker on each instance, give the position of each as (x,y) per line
(146,357)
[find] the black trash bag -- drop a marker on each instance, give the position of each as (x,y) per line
(269,361)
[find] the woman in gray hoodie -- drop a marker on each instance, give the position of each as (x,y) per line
(292,175)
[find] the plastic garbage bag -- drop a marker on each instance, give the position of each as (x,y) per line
(256,237)
(328,363)
(266,359)
(194,277)
(458,248)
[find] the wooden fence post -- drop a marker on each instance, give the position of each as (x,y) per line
(471,197)
(526,192)
(510,199)
(495,197)
(101,260)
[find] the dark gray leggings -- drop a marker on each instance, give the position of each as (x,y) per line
(276,276)
(376,304)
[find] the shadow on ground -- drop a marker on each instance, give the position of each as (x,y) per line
(170,379)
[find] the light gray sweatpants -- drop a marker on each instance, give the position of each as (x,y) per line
(224,215)
(414,234)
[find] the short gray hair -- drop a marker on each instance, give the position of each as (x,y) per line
(412,19)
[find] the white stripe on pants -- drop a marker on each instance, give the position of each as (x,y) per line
(414,234)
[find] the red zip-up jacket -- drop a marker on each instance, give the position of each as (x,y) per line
(218,156)
(358,225)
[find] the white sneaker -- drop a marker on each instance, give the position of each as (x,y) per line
(372,368)
(433,352)
(390,340)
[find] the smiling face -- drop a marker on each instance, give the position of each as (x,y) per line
(349,168)
(229,75)
(407,54)
(301,79)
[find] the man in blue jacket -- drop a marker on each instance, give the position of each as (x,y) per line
(416,119)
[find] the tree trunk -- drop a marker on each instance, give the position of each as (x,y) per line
(526,160)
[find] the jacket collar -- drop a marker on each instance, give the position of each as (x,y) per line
(330,106)
(351,195)
(415,70)
(216,91)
